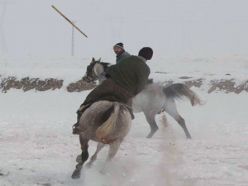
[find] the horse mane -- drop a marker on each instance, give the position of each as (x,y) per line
(105,65)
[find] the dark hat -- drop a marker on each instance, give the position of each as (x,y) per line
(146,52)
(120,45)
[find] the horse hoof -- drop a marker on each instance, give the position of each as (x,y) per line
(189,137)
(149,135)
(152,132)
(75,174)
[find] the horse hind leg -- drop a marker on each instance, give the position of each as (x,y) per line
(150,118)
(181,122)
(172,111)
(84,156)
(113,148)
(93,158)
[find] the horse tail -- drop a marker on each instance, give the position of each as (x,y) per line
(178,90)
(110,129)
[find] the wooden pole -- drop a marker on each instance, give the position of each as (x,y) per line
(78,29)
(72,41)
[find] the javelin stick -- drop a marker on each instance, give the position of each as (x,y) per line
(68,20)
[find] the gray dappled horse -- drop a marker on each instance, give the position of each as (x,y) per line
(154,99)
(105,122)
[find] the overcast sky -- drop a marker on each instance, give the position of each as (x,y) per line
(174,28)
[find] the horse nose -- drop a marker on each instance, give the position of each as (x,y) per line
(85,78)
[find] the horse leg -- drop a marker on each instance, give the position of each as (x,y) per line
(150,118)
(113,148)
(172,111)
(93,158)
(84,156)
(181,122)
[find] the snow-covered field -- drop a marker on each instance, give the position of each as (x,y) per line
(36,144)
(37,147)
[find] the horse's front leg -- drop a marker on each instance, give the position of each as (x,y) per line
(84,156)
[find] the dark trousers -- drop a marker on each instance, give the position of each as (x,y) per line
(109,91)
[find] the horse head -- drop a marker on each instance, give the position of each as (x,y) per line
(95,70)
(90,75)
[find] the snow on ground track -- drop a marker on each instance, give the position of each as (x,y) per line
(37,147)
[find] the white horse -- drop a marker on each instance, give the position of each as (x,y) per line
(154,99)
(105,122)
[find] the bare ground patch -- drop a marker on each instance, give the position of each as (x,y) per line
(37,84)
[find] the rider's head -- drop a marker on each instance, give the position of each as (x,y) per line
(118,48)
(146,52)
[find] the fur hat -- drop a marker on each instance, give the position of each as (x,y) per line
(146,52)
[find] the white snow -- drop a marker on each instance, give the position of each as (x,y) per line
(196,39)
(37,147)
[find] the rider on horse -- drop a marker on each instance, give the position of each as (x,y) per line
(124,81)
(120,52)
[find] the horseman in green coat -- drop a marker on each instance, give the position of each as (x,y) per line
(124,81)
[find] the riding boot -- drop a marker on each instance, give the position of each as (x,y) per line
(80,111)
(75,129)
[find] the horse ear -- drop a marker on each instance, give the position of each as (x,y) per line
(93,60)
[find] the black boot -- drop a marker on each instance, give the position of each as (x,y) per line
(75,127)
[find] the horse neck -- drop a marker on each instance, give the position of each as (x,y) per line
(99,69)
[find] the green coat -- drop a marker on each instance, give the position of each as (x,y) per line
(131,74)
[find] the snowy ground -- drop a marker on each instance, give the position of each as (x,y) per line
(37,147)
